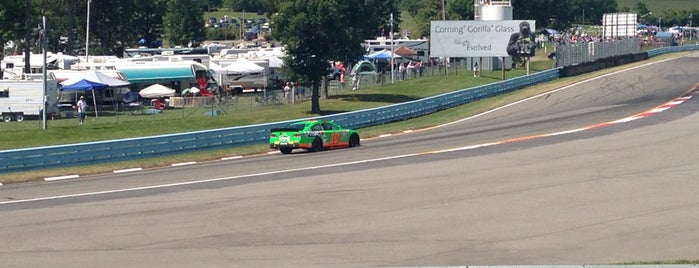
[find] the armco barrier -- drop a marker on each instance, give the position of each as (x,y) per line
(672,49)
(138,148)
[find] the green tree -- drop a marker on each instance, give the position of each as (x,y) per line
(317,32)
(114,24)
(460,9)
(423,12)
(184,22)
(641,8)
(11,20)
(211,5)
(246,5)
(547,13)
(593,10)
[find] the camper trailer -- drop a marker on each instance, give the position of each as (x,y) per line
(421,46)
(13,65)
(24,99)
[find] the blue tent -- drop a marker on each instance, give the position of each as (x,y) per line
(381,55)
(84,85)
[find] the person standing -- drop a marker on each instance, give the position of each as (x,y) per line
(287,89)
(355,80)
(82,108)
(475,69)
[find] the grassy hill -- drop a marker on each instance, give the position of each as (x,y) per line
(657,7)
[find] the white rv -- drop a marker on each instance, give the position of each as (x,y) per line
(421,46)
(20,99)
(13,65)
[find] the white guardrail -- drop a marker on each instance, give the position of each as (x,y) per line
(153,146)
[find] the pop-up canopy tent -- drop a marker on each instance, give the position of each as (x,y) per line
(92,80)
(242,66)
(85,85)
(381,55)
(405,52)
(156,91)
(98,77)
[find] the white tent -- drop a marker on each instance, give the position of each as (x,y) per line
(216,68)
(275,62)
(156,91)
(243,66)
(97,77)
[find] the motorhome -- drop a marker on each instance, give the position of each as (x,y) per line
(243,75)
(13,65)
(24,99)
(170,56)
(421,46)
(179,75)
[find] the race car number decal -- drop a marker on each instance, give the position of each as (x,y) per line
(335,138)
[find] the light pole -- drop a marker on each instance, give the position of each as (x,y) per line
(444,12)
(87,34)
(43,48)
(392,58)
(691,30)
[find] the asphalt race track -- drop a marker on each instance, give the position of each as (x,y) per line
(489,190)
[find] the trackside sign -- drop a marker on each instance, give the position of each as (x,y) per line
(474,38)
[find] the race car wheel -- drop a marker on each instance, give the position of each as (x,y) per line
(317,145)
(19,118)
(7,118)
(285,150)
(354,140)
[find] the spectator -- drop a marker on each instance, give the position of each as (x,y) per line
(82,108)
(402,69)
(355,80)
(419,67)
(287,89)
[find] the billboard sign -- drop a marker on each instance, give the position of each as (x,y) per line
(482,38)
(615,25)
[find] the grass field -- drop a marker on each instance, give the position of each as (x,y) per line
(659,6)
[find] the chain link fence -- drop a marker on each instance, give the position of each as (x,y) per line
(574,54)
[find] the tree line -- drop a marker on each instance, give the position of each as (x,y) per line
(118,24)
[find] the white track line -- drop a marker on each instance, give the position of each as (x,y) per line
(62,178)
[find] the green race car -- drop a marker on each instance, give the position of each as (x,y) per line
(313,136)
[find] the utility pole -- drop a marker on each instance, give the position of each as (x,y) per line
(27,37)
(87,34)
(444,12)
(43,47)
(392,58)
(691,30)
